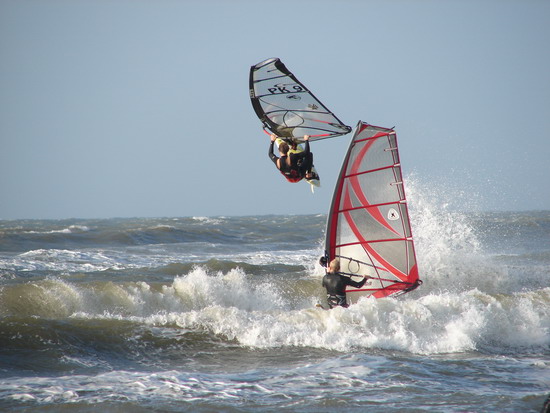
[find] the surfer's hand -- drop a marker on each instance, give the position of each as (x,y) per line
(273,137)
(306,137)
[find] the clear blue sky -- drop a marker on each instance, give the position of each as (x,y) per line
(128,108)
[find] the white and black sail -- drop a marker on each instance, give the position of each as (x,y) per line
(287,108)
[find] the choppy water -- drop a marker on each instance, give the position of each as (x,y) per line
(218,314)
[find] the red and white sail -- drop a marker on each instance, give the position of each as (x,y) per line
(368,225)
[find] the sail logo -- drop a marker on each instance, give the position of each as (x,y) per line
(279,89)
(393,215)
(293,97)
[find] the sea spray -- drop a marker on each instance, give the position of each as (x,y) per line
(450,254)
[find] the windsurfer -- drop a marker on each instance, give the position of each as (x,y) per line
(293,165)
(335,284)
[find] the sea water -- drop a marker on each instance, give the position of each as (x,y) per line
(217,314)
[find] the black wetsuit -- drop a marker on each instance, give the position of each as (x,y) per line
(300,163)
(335,283)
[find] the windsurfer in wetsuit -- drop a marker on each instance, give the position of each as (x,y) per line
(336,283)
(294,165)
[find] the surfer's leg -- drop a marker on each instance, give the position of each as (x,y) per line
(306,166)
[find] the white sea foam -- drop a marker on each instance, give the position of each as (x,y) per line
(72,229)
(208,220)
(164,227)
(62,260)
(151,388)
(261,315)
(91,260)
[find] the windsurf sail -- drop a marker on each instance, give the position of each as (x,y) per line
(287,108)
(368,226)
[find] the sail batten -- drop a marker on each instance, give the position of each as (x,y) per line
(368,223)
(374,170)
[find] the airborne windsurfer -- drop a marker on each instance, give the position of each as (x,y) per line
(335,284)
(293,165)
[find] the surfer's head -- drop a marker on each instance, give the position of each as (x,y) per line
(283,148)
(334,265)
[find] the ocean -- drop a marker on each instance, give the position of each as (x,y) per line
(218,314)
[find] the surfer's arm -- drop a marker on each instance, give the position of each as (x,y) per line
(272,156)
(357,284)
(306,145)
